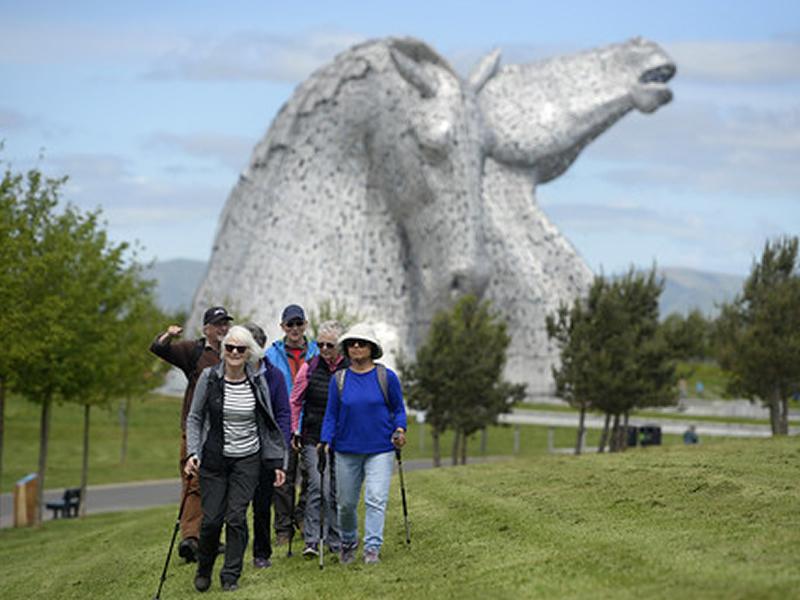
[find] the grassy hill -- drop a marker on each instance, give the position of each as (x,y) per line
(717,521)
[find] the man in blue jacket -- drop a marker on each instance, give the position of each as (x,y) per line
(288,355)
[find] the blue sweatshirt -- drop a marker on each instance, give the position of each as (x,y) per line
(360,422)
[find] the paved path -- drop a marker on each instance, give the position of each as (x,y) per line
(675,426)
(145,494)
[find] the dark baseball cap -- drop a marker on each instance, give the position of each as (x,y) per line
(216,314)
(293,311)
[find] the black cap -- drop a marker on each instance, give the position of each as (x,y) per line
(293,311)
(216,314)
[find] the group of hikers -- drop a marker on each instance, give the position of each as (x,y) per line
(257,421)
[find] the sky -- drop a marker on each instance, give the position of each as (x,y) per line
(153,108)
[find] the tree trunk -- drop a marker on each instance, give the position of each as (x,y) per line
(604,436)
(614,446)
(623,437)
(2,430)
(44,435)
(581,429)
(784,418)
(124,417)
(463,448)
(85,463)
(773,417)
(456,441)
(437,450)
(484,440)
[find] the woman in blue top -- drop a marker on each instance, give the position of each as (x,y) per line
(363,427)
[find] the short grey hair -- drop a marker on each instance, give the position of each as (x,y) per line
(333,328)
(258,333)
(243,335)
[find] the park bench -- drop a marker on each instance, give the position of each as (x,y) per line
(69,505)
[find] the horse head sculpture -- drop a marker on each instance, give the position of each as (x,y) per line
(391,185)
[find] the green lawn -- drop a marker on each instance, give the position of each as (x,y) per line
(719,521)
(155,436)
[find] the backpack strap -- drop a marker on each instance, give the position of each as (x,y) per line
(382,382)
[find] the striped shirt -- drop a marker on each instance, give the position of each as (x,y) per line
(239,420)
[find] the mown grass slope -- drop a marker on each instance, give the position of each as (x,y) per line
(719,521)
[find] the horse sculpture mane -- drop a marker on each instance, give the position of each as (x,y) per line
(393,186)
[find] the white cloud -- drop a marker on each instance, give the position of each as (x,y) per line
(252,55)
(759,62)
(228,150)
(13,120)
(700,147)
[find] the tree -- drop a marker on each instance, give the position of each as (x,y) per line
(71,288)
(457,376)
(758,333)
(614,358)
(688,337)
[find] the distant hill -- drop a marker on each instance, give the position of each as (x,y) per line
(177,281)
(684,289)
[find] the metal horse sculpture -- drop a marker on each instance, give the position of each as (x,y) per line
(389,183)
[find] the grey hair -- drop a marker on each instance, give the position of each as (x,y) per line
(258,333)
(243,335)
(333,328)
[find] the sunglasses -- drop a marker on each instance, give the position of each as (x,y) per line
(357,344)
(295,323)
(326,345)
(234,348)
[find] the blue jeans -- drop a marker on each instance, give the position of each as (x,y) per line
(318,489)
(351,472)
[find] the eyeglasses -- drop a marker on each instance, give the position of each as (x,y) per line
(234,348)
(295,323)
(326,345)
(357,343)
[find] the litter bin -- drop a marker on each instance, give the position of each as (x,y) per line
(633,436)
(25,500)
(650,435)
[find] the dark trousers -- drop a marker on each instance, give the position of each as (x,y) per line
(226,488)
(262,505)
(287,514)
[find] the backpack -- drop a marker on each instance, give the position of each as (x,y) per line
(382,381)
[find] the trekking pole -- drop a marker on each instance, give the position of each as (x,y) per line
(399,455)
(172,541)
(321,460)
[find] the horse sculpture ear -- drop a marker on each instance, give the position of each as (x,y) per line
(484,70)
(414,74)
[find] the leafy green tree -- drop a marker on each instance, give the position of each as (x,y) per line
(758,334)
(688,337)
(457,376)
(613,357)
(71,289)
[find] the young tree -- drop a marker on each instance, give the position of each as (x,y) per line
(613,358)
(71,288)
(457,377)
(758,334)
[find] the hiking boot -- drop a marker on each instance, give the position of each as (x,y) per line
(187,550)
(371,556)
(310,551)
(348,553)
(202,583)
(229,586)
(261,563)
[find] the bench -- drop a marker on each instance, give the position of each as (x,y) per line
(69,505)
